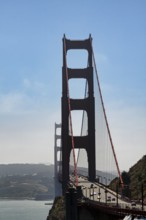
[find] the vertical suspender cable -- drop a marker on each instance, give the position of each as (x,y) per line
(97,77)
(70,118)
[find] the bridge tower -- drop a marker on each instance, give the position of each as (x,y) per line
(58,161)
(80,142)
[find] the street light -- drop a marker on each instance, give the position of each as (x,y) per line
(89,192)
(106,195)
(101,179)
(99,195)
(117,191)
(142,195)
(105,180)
(92,193)
(84,190)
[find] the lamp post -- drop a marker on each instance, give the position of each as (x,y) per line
(105,196)
(99,195)
(86,192)
(99,179)
(89,192)
(142,195)
(92,191)
(117,191)
(105,180)
(94,187)
(109,181)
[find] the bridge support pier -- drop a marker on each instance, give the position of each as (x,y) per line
(71,204)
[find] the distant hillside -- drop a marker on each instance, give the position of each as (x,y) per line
(133,180)
(22,169)
(29,181)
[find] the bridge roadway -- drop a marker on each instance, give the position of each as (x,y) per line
(98,201)
(99,193)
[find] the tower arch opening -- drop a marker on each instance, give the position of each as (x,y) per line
(77,58)
(79,123)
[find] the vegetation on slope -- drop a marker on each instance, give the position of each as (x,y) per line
(134,180)
(19,181)
(137,175)
(58,210)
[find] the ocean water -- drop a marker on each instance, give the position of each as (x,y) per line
(24,210)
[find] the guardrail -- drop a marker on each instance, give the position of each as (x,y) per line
(114,210)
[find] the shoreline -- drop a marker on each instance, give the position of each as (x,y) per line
(22,199)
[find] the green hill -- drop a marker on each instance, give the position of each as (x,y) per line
(133,180)
(137,174)
(31,181)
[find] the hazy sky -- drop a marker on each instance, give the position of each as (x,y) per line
(31,34)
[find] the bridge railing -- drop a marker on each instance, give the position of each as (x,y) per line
(121,209)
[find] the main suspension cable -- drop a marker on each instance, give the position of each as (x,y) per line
(104,112)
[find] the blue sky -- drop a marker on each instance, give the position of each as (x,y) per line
(31,34)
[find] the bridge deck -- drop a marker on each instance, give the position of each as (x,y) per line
(99,197)
(116,211)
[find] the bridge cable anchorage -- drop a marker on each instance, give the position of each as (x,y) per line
(106,121)
(70,119)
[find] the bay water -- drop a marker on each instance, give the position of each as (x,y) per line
(24,209)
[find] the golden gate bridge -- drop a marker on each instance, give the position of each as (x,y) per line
(86,163)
